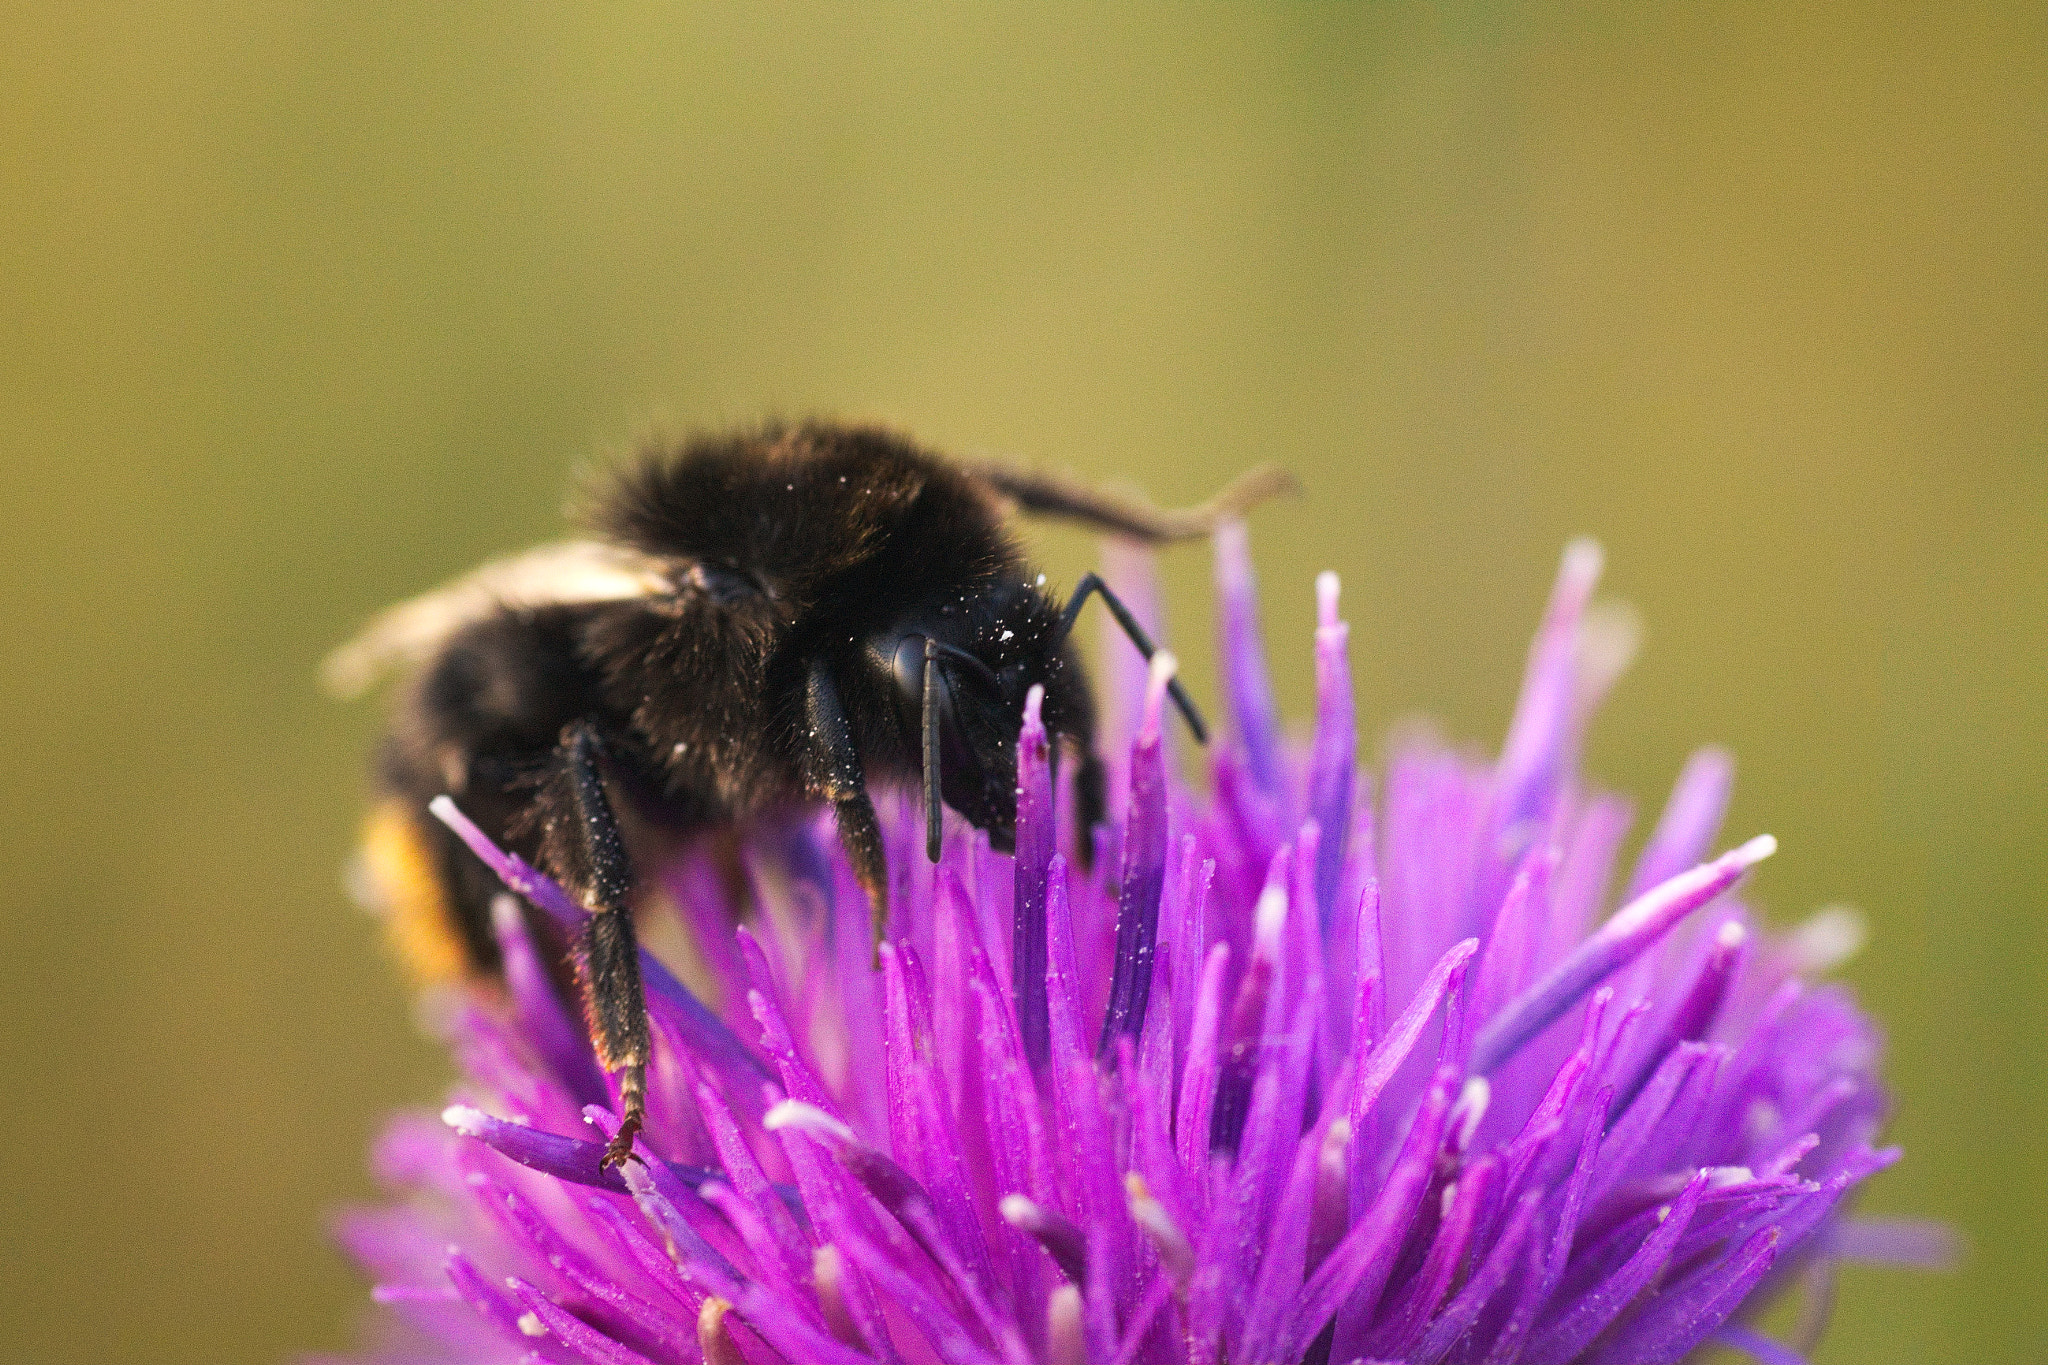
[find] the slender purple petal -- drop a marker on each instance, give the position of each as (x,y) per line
(1256,719)
(1251,1013)
(1691,819)
(1037,836)
(1386,1057)
(564,1158)
(1144,871)
(1062,1241)
(1697,1009)
(1331,763)
(1914,1242)
(1539,739)
(1198,1083)
(1634,927)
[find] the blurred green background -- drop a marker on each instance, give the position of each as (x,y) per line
(306,306)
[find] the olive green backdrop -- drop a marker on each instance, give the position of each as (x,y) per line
(307,305)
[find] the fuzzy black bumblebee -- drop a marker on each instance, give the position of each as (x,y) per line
(759,621)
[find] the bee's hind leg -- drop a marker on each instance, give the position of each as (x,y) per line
(585,849)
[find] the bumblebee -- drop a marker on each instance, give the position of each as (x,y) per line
(757,621)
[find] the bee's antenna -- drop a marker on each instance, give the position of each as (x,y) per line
(934,816)
(1091,583)
(965,660)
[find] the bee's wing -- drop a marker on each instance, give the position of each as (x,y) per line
(565,572)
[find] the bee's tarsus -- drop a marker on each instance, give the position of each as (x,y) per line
(620,1149)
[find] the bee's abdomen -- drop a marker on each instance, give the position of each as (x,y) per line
(409,889)
(479,724)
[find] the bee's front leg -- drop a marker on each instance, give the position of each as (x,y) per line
(833,761)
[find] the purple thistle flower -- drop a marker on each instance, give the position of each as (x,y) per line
(1296,1075)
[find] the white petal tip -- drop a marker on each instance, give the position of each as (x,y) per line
(1731,935)
(1327,591)
(1270,916)
(1469,1110)
(1583,558)
(1066,1335)
(808,1118)
(1711,760)
(443,807)
(1017,1210)
(463,1119)
(505,916)
(1828,938)
(1756,850)
(1610,636)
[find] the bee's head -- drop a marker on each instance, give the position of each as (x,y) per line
(961,672)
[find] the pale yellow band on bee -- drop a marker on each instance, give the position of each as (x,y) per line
(419,922)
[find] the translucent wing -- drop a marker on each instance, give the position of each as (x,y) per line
(565,572)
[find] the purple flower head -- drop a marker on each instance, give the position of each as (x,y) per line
(1297,1073)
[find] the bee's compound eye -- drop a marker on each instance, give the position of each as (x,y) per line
(909,666)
